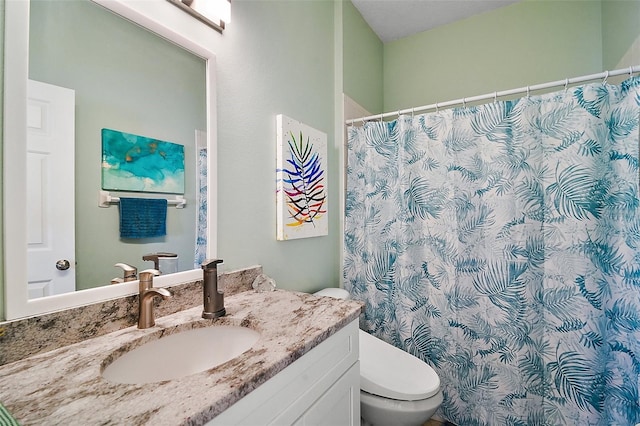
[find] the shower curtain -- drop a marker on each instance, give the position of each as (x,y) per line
(501,244)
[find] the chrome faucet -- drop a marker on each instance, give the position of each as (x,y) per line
(130,273)
(213,299)
(146,317)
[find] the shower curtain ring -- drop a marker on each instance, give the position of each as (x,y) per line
(528,92)
(495,97)
(464,102)
(630,71)
(606,76)
(566,84)
(437,110)
(412,111)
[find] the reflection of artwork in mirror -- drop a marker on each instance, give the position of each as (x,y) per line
(302,180)
(141,164)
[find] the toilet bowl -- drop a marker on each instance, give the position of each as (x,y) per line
(396,388)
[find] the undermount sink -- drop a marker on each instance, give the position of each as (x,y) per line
(181,354)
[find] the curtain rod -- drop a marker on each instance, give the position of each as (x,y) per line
(604,75)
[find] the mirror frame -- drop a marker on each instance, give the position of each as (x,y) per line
(159,17)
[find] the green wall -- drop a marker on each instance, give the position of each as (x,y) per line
(620,33)
(533,41)
(1,159)
(129,80)
(275,57)
(362,60)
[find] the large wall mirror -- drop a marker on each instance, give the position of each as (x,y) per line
(136,67)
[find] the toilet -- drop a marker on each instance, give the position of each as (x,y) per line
(396,388)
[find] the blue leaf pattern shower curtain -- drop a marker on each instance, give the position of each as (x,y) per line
(501,244)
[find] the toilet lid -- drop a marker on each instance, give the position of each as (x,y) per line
(336,293)
(392,373)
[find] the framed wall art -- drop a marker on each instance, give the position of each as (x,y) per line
(301,175)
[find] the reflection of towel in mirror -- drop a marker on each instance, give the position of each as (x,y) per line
(143,217)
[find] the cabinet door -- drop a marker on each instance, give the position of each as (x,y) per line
(339,405)
(287,397)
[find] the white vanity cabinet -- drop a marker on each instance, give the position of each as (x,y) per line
(320,388)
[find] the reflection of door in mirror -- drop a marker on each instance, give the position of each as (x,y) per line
(50,189)
(130,80)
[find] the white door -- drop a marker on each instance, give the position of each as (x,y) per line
(50,189)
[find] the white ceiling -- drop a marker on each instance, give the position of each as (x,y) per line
(394,19)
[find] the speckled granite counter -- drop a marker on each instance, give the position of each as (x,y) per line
(64,386)
(42,333)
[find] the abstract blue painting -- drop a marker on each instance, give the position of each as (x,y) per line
(141,164)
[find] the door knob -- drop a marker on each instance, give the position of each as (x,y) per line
(62,265)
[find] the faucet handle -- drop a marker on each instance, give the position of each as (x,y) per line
(125,267)
(170,259)
(146,279)
(130,272)
(148,274)
(153,257)
(210,264)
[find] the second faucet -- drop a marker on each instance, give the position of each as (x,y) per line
(213,299)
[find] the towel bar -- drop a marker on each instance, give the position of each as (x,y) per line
(105,199)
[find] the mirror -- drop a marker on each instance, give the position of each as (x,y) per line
(174,28)
(75,45)
(123,77)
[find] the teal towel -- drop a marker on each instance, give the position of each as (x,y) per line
(6,419)
(143,217)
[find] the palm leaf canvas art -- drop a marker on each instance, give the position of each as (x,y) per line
(301,180)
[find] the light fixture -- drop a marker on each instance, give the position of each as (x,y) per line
(215,13)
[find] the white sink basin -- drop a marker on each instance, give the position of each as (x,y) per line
(181,354)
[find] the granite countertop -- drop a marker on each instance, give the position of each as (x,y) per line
(65,386)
